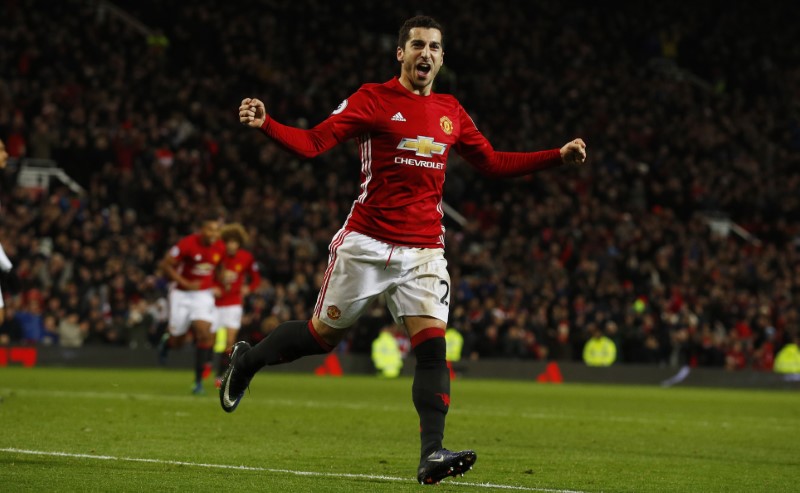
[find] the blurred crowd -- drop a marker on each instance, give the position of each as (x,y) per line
(686,117)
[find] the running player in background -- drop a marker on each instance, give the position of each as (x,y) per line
(237,264)
(191,265)
(392,241)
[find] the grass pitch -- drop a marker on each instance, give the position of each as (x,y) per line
(140,430)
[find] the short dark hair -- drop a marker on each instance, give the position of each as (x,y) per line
(417,21)
(209,217)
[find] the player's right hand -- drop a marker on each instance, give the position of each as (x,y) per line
(252,112)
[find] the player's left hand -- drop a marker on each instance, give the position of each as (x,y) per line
(574,152)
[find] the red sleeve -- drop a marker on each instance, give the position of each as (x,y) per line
(474,147)
(353,117)
(255,275)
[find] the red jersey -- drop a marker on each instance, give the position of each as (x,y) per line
(404,140)
(234,270)
(198,261)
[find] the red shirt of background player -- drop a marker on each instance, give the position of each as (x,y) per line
(241,264)
(197,260)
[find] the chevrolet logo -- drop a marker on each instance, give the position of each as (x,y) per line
(423,146)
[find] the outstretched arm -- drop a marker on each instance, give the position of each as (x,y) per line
(345,122)
(305,143)
(476,149)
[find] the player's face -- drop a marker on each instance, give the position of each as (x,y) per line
(232,246)
(3,155)
(210,231)
(421,58)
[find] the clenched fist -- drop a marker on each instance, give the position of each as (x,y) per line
(252,112)
(574,152)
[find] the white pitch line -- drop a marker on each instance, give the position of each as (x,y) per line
(274,471)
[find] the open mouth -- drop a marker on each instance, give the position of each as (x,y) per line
(423,69)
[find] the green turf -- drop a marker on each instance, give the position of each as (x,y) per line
(545,437)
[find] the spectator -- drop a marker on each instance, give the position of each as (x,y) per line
(34,328)
(11,330)
(70,332)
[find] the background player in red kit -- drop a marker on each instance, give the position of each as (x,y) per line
(392,242)
(192,266)
(237,265)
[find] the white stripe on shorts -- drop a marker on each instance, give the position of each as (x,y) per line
(335,244)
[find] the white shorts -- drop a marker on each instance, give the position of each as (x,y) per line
(229,317)
(2,303)
(188,306)
(415,280)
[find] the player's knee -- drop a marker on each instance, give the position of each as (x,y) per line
(416,324)
(232,335)
(331,335)
(203,332)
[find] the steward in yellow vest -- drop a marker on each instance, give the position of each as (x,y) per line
(455,343)
(386,354)
(599,350)
(788,359)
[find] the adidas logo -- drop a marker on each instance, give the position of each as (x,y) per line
(398,117)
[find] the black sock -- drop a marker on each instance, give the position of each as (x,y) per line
(202,356)
(431,389)
(289,341)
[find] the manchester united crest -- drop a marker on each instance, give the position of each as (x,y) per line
(334,313)
(446,124)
